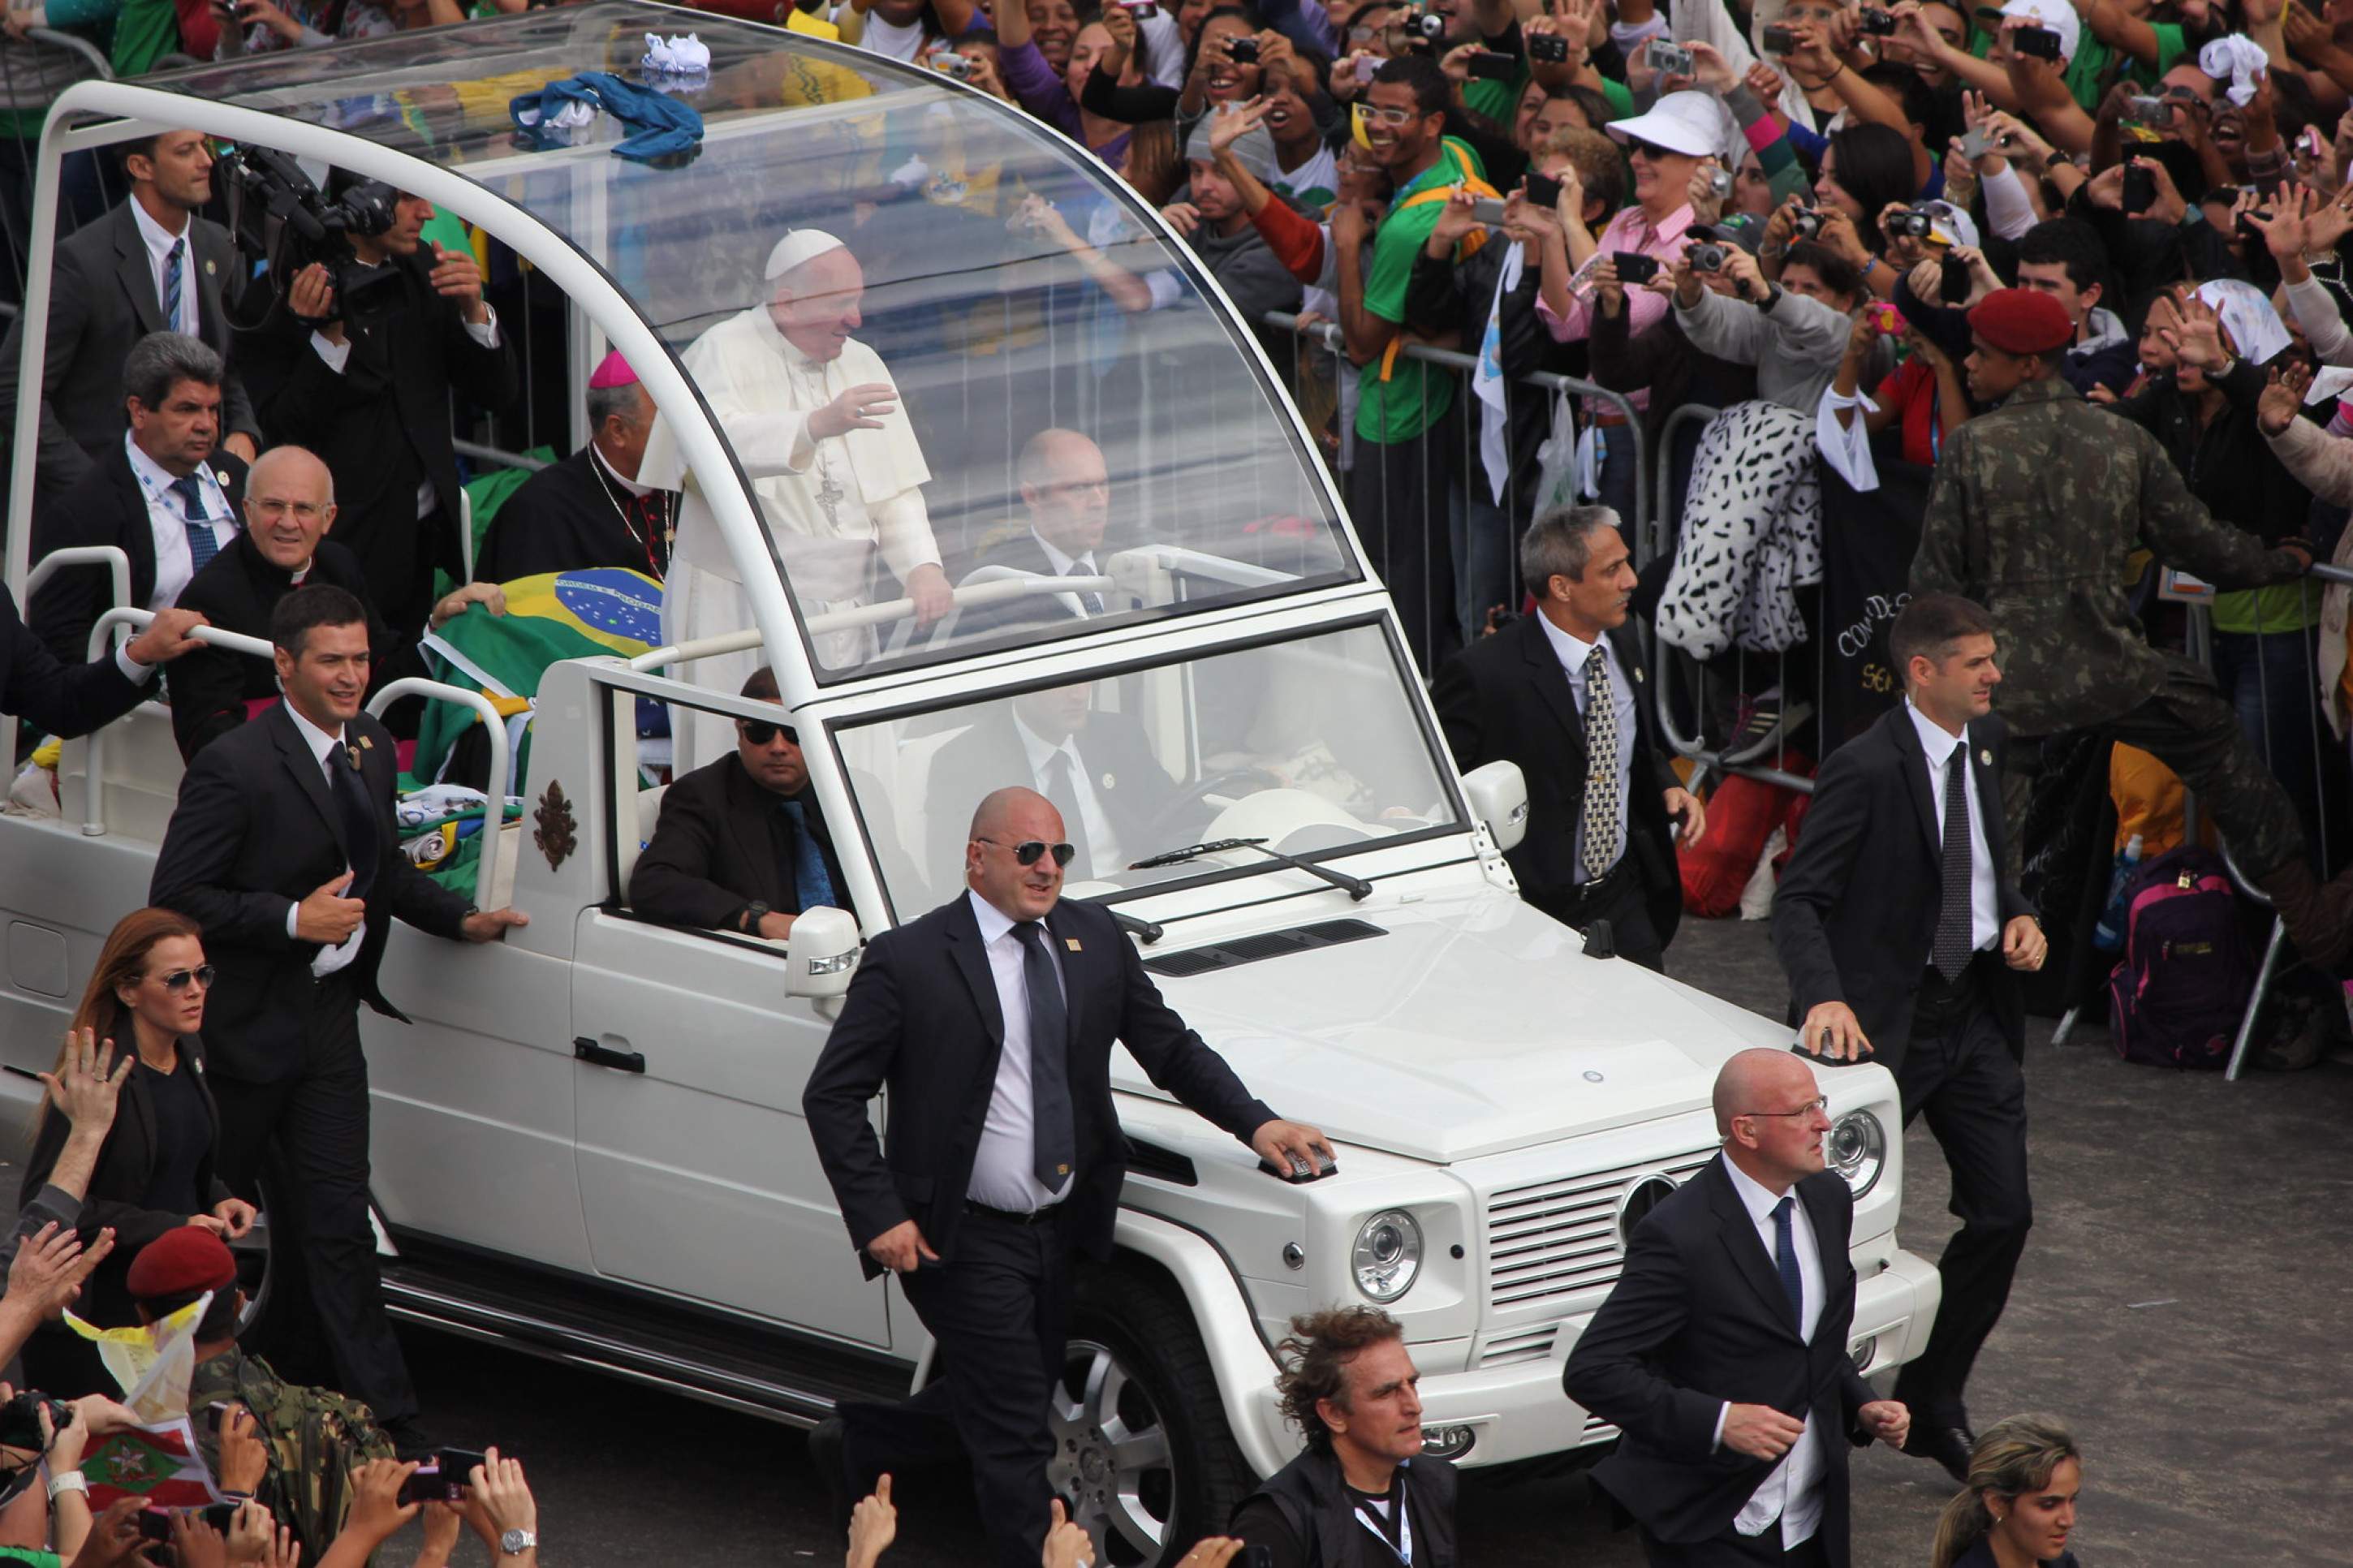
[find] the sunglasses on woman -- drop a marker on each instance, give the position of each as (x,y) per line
(1029,851)
(177,980)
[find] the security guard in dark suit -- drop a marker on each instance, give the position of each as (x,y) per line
(1557,692)
(1902,941)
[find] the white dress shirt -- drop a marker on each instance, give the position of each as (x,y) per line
(176,563)
(1572,655)
(1793,1492)
(159,241)
(327,749)
(1102,840)
(1937,743)
(1003,1168)
(1060,561)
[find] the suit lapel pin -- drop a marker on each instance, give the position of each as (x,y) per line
(1073,943)
(1109,782)
(221,475)
(1638,672)
(367,742)
(208,270)
(1985,755)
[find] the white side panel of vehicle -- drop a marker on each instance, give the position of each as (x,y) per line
(698,1173)
(1245,1369)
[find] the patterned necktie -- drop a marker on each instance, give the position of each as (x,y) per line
(1602,803)
(1064,795)
(360,845)
(1951,950)
(1784,1260)
(1054,1142)
(811,884)
(202,545)
(1087,596)
(173,285)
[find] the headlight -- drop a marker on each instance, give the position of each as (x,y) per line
(1857,1150)
(1387,1255)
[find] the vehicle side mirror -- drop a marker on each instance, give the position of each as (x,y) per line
(821,954)
(1499,797)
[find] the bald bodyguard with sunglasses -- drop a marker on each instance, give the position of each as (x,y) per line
(991,1020)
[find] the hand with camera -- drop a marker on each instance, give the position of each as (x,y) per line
(244,1456)
(1707,190)
(114,1540)
(1766,83)
(1120,23)
(1690,283)
(1983,279)
(310,300)
(1609,292)
(1907,235)
(376,1512)
(1747,279)
(2167,206)
(456,276)
(1838,232)
(1812,53)
(1711,72)
(253,1536)
(1555,63)
(1862,339)
(195,1543)
(1457,217)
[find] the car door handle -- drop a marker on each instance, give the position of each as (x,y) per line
(589,1051)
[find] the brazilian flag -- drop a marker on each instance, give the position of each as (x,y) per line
(554,615)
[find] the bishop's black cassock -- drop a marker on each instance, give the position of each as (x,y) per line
(574,515)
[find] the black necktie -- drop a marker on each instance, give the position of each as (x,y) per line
(1785,1260)
(360,845)
(1064,795)
(1054,1145)
(1951,950)
(1087,596)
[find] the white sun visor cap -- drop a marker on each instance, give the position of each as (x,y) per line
(1686,123)
(2059,16)
(1949,225)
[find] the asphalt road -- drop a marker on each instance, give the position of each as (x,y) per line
(2186,1302)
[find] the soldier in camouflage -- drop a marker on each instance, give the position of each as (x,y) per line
(293,1447)
(2036,505)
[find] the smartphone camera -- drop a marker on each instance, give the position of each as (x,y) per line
(1976,144)
(1242,51)
(1777,40)
(1548,49)
(1878,24)
(1488,211)
(1543,190)
(1634,268)
(2036,42)
(2140,189)
(1486,65)
(2147,110)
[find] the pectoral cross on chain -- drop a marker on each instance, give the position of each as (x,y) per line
(831,496)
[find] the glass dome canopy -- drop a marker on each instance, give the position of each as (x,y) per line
(994,327)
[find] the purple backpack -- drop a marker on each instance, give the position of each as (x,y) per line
(2175,999)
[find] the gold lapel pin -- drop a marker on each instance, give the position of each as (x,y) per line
(1985,755)
(367,742)
(1072,942)
(208,270)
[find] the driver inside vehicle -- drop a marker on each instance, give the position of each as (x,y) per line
(741,846)
(1096,766)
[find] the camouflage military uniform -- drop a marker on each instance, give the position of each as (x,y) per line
(315,1436)
(2035,507)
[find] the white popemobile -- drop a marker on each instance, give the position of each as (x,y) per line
(589,1144)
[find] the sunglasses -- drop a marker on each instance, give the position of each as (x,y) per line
(1029,851)
(761,735)
(178,979)
(1649,148)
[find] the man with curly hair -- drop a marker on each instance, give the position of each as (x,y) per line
(1363,1494)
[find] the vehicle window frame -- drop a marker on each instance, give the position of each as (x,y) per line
(1450,782)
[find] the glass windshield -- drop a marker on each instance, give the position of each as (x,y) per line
(1067,402)
(1310,745)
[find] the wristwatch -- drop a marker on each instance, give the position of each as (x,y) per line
(517,1541)
(748,922)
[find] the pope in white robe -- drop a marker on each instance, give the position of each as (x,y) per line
(815,421)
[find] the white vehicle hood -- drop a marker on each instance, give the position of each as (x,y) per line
(1473,1024)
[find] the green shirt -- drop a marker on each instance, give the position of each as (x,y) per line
(1416,396)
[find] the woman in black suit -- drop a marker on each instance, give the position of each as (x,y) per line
(154,1171)
(2025,1475)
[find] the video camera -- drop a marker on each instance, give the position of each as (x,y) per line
(276,213)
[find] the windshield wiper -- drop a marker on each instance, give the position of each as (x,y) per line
(1357,888)
(1144,930)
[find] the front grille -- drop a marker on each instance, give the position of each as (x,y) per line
(1549,1240)
(1520,1345)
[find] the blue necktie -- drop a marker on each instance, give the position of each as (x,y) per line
(811,886)
(1785,1260)
(202,545)
(172,286)
(1053,1140)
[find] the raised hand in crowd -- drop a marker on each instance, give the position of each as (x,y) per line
(254,1536)
(1456,218)
(456,275)
(2283,397)
(2192,331)
(443,1524)
(376,1512)
(195,1543)
(1706,199)
(873,1525)
(1765,82)
(87,1083)
(114,1538)
(1067,1545)
(506,1498)
(1609,291)
(244,1457)
(1710,70)
(94,1415)
(48,1271)
(1904,250)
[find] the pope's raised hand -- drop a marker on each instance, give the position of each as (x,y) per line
(859,408)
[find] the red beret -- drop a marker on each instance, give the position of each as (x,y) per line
(181,1262)
(2022,321)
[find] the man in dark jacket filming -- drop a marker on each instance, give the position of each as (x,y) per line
(1363,1493)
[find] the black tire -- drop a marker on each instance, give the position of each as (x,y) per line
(1140,1437)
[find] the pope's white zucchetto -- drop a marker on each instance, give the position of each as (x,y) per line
(801,246)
